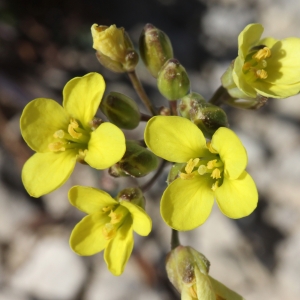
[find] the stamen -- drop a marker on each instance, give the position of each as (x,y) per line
(57,146)
(215,185)
(59,134)
(82,154)
(73,125)
(216,173)
(191,164)
(108,231)
(186,176)
(262,54)
(262,74)
(211,164)
(115,218)
(106,208)
(247,66)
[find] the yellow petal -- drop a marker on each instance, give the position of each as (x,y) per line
(175,139)
(275,90)
(268,41)
(40,119)
(231,151)
(106,146)
(90,200)
(87,237)
(45,172)
(240,79)
(186,204)
(142,223)
(248,38)
(237,198)
(204,287)
(119,249)
(82,97)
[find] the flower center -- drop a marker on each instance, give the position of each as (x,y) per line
(211,166)
(117,218)
(256,62)
(74,138)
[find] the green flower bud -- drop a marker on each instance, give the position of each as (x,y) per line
(173,81)
(155,48)
(206,116)
(188,270)
(114,48)
(121,110)
(136,162)
(134,195)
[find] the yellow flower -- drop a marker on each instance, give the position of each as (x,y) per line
(267,67)
(62,135)
(213,170)
(108,226)
(188,269)
(109,41)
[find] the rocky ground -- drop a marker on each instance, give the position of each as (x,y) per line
(42,46)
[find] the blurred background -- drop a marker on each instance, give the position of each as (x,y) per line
(43,44)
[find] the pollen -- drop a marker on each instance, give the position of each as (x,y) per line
(108,231)
(191,165)
(262,54)
(211,164)
(215,185)
(71,129)
(216,173)
(56,146)
(115,218)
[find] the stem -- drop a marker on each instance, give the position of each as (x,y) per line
(173,108)
(148,184)
(144,117)
(174,239)
(219,96)
(141,92)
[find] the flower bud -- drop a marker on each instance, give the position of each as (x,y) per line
(173,81)
(206,116)
(121,110)
(155,48)
(114,48)
(134,195)
(188,270)
(136,162)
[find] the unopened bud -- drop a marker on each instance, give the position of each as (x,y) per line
(134,195)
(173,81)
(114,48)
(136,162)
(206,116)
(155,48)
(121,110)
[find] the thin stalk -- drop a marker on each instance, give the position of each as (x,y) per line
(148,184)
(219,96)
(145,118)
(174,239)
(173,108)
(141,92)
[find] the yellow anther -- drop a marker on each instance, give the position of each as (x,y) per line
(186,176)
(193,291)
(108,231)
(191,165)
(216,173)
(247,66)
(262,74)
(71,129)
(56,146)
(202,169)
(115,218)
(106,208)
(215,185)
(262,54)
(210,148)
(211,164)
(59,134)
(82,153)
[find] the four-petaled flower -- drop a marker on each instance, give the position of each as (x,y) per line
(109,225)
(213,170)
(267,67)
(62,135)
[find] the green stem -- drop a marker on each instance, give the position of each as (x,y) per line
(175,239)
(141,92)
(173,108)
(219,96)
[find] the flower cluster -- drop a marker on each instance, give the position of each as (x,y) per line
(209,160)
